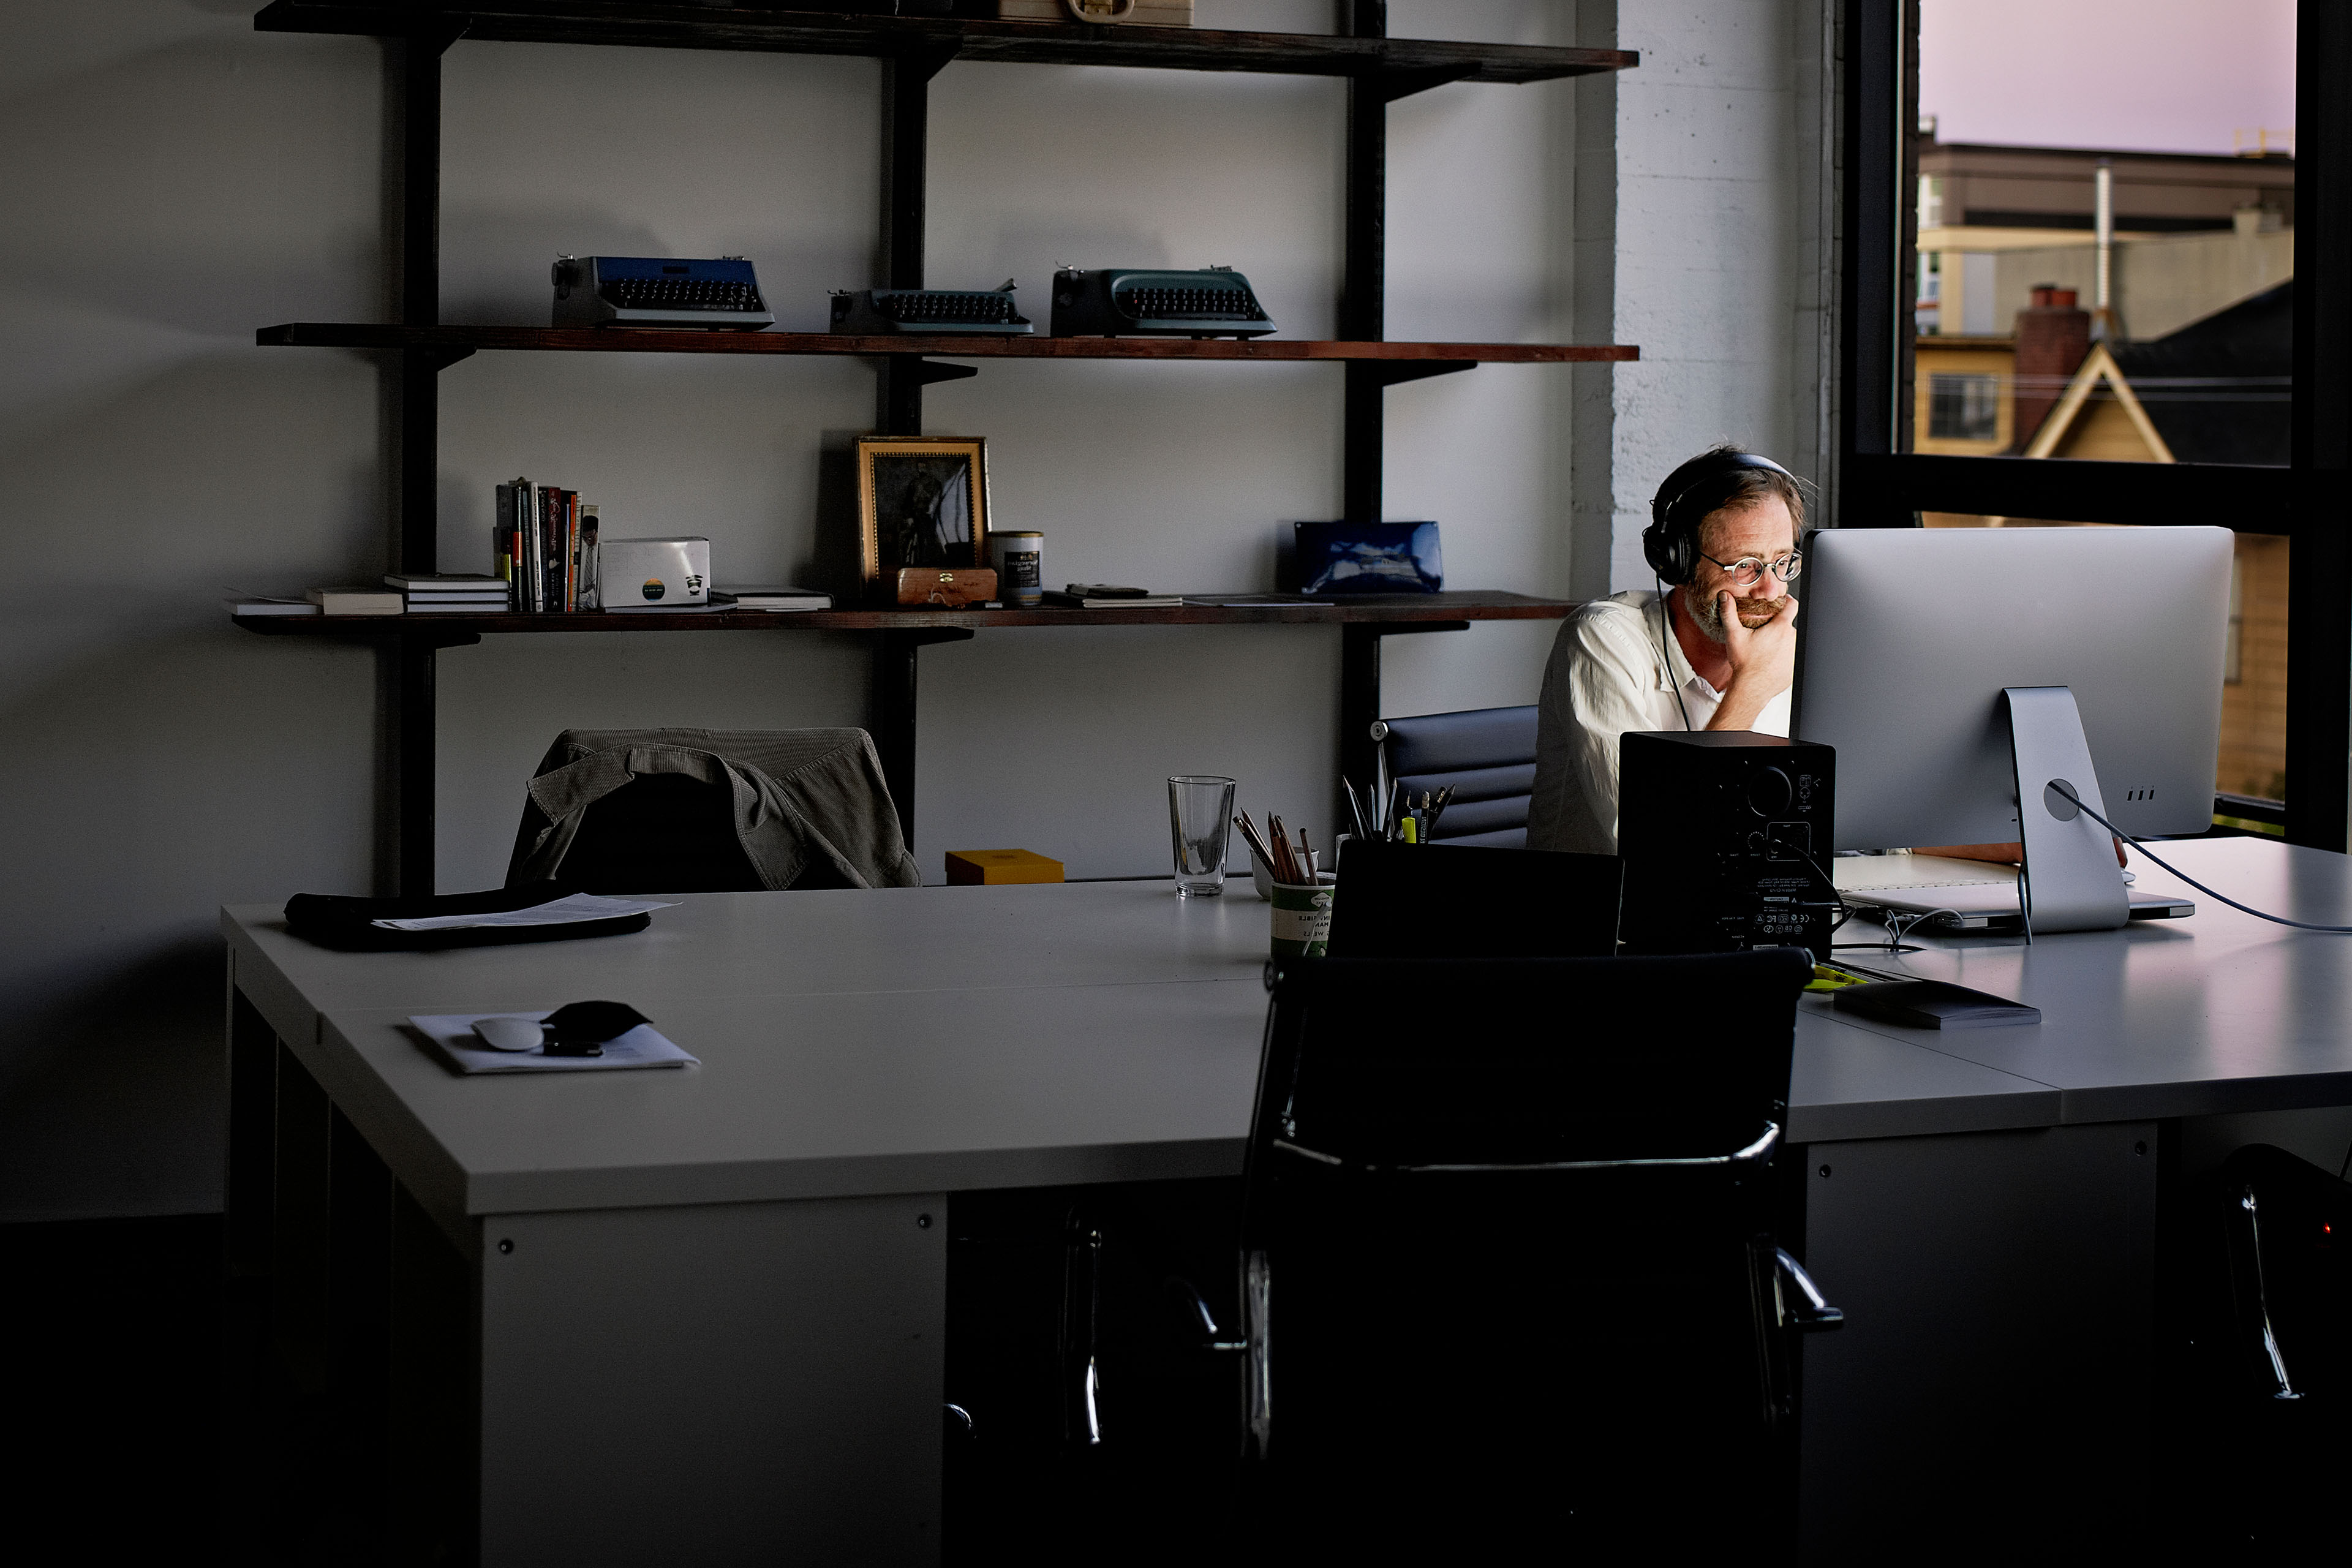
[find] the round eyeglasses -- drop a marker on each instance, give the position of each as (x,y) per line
(1748,570)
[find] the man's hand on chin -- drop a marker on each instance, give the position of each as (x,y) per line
(1763,657)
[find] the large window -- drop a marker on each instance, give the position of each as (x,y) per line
(2079,291)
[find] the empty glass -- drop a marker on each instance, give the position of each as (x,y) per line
(1200,811)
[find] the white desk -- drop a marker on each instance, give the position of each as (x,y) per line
(768,1229)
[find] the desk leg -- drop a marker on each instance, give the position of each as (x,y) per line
(251,1173)
(1993,1384)
(718,1383)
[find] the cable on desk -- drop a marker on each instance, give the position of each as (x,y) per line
(1894,932)
(2067,792)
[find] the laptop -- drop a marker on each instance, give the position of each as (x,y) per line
(1962,895)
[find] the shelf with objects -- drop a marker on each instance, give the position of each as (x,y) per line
(1383,609)
(1378,70)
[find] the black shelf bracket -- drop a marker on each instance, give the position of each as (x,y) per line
(1393,85)
(1360,690)
(931,372)
(1396,372)
(893,710)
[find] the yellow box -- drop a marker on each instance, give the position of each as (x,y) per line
(999,867)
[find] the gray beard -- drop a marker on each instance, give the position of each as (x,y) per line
(1706,616)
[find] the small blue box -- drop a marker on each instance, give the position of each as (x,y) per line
(1334,558)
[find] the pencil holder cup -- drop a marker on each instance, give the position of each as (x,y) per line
(1302,917)
(1262,874)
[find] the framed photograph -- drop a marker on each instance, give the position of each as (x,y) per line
(921,501)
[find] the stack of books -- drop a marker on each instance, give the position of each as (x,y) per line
(774,599)
(355,601)
(464,593)
(544,543)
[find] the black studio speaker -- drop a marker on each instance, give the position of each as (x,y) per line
(1726,835)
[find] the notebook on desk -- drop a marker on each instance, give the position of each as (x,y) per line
(1964,895)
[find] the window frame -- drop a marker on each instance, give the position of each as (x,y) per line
(1879,484)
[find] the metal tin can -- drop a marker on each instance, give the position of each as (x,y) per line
(1020,562)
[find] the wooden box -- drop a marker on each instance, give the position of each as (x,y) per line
(999,867)
(1134,13)
(949,587)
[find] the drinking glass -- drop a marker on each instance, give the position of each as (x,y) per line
(1200,811)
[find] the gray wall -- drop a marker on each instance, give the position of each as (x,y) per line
(176,180)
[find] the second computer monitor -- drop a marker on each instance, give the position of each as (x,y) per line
(1907,637)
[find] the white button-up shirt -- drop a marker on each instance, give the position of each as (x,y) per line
(1616,667)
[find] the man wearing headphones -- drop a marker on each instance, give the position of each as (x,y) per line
(1715,648)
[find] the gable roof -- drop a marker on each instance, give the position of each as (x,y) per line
(2097,367)
(2220,388)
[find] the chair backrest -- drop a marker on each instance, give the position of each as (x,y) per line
(1507,1250)
(1393,1064)
(687,811)
(1444,901)
(661,833)
(1487,756)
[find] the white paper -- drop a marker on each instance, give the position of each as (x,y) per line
(569,910)
(453,1036)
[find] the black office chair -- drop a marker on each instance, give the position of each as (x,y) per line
(2272,1340)
(710,811)
(1509,1270)
(1487,754)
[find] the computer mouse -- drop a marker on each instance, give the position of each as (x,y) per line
(510,1034)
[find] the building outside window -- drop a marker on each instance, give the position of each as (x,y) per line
(1963,407)
(2106,273)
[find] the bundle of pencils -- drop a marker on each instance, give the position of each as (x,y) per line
(1418,821)
(1290,863)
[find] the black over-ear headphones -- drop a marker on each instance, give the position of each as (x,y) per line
(1670,543)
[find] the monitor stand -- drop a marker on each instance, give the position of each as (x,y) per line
(2070,880)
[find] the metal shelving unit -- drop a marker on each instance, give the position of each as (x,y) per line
(1378,70)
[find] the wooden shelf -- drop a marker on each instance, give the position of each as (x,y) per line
(1392,609)
(1417,61)
(688,340)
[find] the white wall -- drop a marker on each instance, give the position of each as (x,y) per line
(176,180)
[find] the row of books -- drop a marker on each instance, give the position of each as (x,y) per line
(544,543)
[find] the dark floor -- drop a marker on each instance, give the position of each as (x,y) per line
(113,1385)
(148,1421)
(142,1411)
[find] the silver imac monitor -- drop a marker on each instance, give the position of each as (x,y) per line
(1947,666)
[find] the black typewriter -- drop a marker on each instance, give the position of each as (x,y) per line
(1111,303)
(651,291)
(877,311)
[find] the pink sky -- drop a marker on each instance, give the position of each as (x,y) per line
(2157,76)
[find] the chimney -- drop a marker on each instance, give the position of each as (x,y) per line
(2053,337)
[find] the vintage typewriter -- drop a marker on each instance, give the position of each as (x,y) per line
(652,291)
(1112,302)
(873,312)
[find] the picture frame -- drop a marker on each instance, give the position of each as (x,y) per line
(922,500)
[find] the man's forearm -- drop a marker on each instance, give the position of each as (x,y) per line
(1739,707)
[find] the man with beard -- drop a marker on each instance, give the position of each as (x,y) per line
(1715,648)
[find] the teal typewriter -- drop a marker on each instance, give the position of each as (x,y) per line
(930,311)
(1124,302)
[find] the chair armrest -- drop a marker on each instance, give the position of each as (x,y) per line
(1812,1313)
